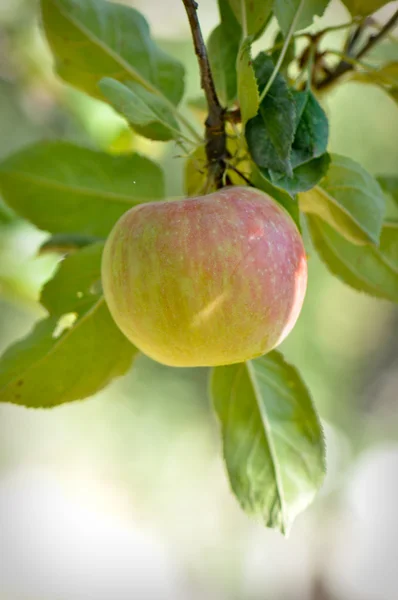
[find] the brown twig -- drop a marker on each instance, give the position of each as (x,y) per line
(216,140)
(343,67)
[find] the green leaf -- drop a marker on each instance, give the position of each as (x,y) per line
(389,184)
(93,39)
(311,137)
(63,188)
(74,352)
(273,442)
(298,14)
(364,7)
(270,133)
(349,199)
(253,15)
(147,113)
(223,47)
(249,98)
(369,269)
(305,176)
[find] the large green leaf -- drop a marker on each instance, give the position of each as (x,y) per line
(273,443)
(249,98)
(222,48)
(349,199)
(74,352)
(93,39)
(63,188)
(369,269)
(299,13)
(147,113)
(271,132)
(252,14)
(364,7)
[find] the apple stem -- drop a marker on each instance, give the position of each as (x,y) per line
(216,139)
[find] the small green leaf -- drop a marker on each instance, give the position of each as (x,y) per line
(363,8)
(311,137)
(249,98)
(349,199)
(63,188)
(74,352)
(93,39)
(300,13)
(270,133)
(253,15)
(308,154)
(369,269)
(147,113)
(222,47)
(305,176)
(273,442)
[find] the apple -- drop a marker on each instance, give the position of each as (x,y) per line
(204,281)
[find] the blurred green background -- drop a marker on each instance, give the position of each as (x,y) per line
(124,495)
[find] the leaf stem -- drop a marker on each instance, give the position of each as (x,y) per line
(283,52)
(216,140)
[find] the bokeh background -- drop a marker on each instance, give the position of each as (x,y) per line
(124,496)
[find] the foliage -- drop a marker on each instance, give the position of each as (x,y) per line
(277,140)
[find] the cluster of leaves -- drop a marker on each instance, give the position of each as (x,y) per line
(272,437)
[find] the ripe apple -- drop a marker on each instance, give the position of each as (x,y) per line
(212,280)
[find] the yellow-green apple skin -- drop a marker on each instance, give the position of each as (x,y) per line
(204,281)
